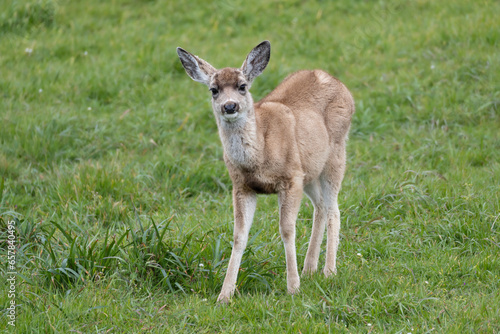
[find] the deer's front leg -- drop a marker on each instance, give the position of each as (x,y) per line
(289,202)
(244,203)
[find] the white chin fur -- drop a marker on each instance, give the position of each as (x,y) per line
(230,117)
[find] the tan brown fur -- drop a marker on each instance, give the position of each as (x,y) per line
(290,142)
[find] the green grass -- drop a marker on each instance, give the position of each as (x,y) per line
(111,167)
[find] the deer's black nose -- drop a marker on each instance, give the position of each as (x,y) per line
(230,107)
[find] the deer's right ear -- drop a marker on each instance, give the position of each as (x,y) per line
(198,69)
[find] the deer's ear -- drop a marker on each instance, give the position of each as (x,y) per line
(197,68)
(256,61)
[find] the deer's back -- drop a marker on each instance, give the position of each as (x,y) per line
(310,92)
(302,121)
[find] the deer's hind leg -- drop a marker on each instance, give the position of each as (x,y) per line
(331,180)
(314,192)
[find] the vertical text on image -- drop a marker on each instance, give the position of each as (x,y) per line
(11,272)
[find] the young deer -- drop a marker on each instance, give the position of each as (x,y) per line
(292,141)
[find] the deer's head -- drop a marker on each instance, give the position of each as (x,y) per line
(229,86)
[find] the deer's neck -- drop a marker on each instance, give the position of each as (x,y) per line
(241,141)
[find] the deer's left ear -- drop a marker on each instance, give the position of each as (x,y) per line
(197,68)
(256,61)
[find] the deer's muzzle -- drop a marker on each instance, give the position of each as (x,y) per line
(230,108)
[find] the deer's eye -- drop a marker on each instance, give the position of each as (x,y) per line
(242,88)
(214,91)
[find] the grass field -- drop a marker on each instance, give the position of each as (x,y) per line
(111,167)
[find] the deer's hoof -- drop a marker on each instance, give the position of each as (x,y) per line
(329,272)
